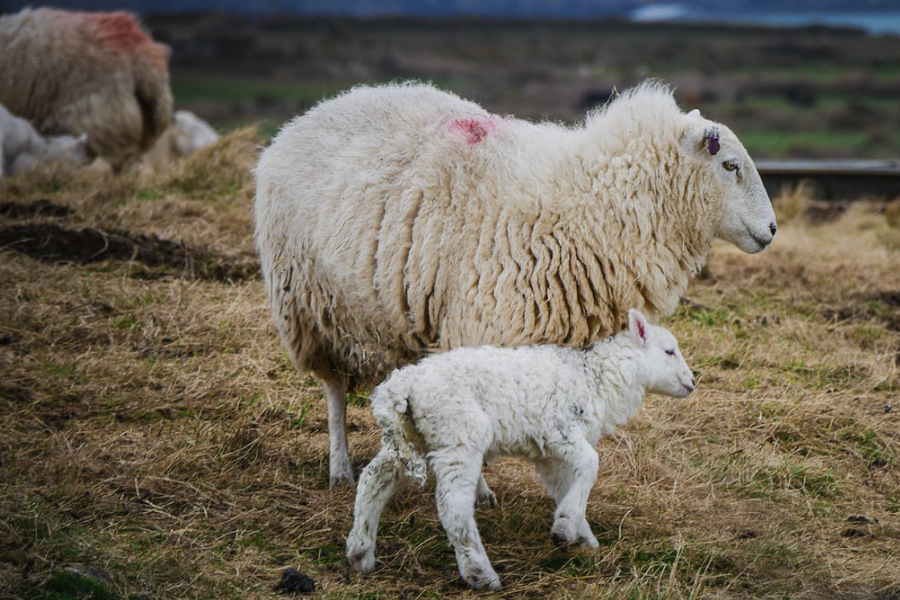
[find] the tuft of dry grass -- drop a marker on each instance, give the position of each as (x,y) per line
(155,432)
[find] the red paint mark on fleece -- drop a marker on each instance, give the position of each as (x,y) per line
(118,30)
(474,129)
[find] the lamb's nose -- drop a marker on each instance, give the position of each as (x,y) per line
(773,228)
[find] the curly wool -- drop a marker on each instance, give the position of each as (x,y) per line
(76,73)
(396,219)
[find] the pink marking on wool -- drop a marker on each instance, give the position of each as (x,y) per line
(119,30)
(475,129)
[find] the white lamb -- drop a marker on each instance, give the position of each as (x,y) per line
(187,134)
(395,220)
(549,404)
(21,147)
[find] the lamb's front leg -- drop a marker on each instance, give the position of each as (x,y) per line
(457,475)
(569,477)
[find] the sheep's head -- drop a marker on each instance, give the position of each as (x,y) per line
(731,184)
(666,370)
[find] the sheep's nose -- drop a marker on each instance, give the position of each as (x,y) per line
(773,228)
(693,383)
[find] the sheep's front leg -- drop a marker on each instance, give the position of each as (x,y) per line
(457,474)
(340,471)
(376,486)
(569,477)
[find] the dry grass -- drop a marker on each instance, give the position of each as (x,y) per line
(154,430)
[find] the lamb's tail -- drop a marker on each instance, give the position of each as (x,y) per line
(392,412)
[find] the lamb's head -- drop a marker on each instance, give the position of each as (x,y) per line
(666,371)
(68,149)
(731,184)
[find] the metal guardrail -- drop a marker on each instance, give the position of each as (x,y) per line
(833,179)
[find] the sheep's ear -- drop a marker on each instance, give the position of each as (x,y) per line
(695,113)
(702,138)
(638,326)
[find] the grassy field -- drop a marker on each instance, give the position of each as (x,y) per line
(156,442)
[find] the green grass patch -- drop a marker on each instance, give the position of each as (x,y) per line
(66,585)
(199,89)
(782,143)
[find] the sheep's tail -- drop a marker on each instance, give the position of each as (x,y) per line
(392,412)
(152,91)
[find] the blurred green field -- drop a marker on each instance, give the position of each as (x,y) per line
(803,93)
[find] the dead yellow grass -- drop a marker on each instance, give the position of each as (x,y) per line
(154,429)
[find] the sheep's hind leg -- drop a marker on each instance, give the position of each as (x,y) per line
(376,486)
(569,478)
(340,471)
(457,478)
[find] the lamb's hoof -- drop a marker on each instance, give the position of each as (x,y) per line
(361,559)
(482,579)
(487,498)
(564,533)
(588,542)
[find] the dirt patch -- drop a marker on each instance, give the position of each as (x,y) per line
(38,208)
(51,242)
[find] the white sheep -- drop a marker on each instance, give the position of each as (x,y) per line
(100,74)
(22,148)
(549,404)
(399,219)
(187,134)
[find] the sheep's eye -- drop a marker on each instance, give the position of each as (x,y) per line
(670,352)
(730,165)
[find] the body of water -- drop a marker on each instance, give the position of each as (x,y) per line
(873,22)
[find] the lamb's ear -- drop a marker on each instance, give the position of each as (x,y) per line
(638,326)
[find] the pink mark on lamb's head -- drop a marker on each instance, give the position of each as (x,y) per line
(474,129)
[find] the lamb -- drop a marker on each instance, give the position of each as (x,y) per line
(187,134)
(22,148)
(549,404)
(396,220)
(100,74)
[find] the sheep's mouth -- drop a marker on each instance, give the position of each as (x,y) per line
(760,242)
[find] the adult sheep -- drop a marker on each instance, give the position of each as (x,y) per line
(398,219)
(76,73)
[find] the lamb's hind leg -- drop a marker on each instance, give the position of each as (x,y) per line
(340,471)
(569,477)
(484,494)
(457,477)
(376,486)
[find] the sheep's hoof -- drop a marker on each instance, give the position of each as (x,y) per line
(482,579)
(342,478)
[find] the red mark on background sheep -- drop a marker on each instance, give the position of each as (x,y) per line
(474,129)
(119,30)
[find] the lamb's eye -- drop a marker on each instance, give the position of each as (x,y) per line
(670,352)
(730,165)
